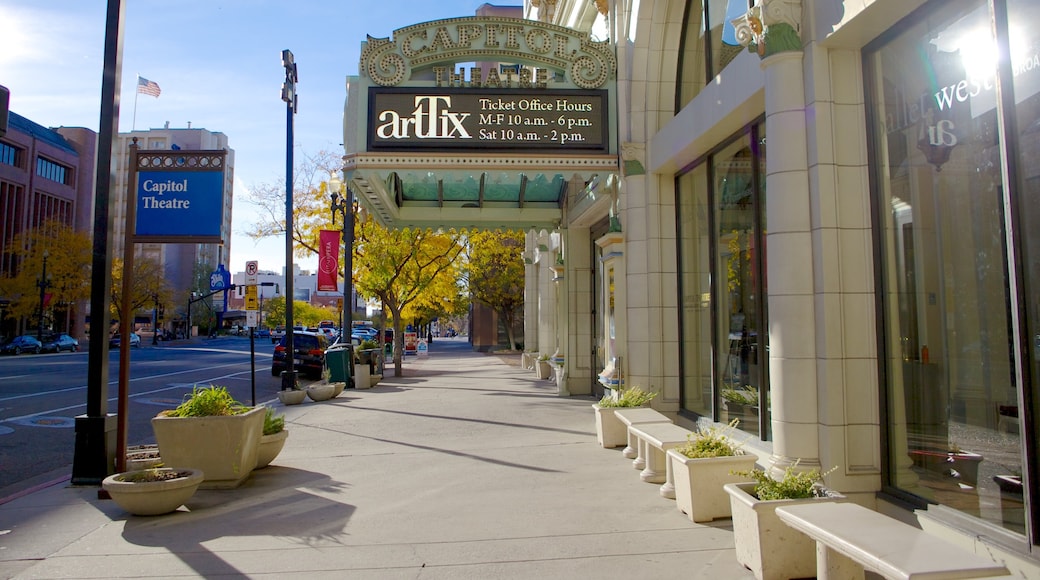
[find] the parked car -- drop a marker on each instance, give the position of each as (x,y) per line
(60,342)
(263,333)
(20,344)
(277,334)
(308,354)
(135,340)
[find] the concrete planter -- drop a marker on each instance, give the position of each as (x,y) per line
(270,446)
(699,483)
(544,369)
(292,397)
(766,545)
(152,498)
(610,431)
(321,392)
(224,448)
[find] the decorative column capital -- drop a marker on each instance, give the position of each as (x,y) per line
(770,27)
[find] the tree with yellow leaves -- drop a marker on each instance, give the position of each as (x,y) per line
(67,253)
(495,275)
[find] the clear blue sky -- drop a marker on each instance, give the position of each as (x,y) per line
(218,63)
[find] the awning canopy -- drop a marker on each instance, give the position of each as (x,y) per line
(471,191)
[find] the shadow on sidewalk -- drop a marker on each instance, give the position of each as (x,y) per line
(276,501)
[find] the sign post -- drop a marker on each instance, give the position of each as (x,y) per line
(252,267)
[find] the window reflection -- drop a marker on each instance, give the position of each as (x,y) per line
(953,397)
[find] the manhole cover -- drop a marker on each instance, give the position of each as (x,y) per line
(54,422)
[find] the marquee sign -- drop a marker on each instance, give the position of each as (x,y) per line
(585,63)
(518,119)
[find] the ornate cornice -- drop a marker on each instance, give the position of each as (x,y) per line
(771,27)
(633,157)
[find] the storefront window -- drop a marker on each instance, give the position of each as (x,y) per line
(954,435)
(721,249)
(709,43)
(695,273)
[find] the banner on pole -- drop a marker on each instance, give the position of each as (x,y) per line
(328,261)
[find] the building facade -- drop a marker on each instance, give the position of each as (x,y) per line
(820,209)
(828,205)
(46,174)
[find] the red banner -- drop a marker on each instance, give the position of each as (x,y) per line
(328,261)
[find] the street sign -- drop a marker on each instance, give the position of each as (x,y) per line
(251,318)
(252,299)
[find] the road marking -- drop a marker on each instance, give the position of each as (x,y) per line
(21,420)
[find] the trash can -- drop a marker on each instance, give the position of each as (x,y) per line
(337,358)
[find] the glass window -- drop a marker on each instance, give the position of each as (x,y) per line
(954,435)
(9,155)
(709,43)
(50,170)
(695,286)
(721,253)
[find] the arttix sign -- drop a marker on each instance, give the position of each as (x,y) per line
(504,120)
(179,203)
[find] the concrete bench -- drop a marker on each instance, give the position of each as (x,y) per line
(655,440)
(851,538)
(638,416)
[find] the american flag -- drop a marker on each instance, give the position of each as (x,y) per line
(148,87)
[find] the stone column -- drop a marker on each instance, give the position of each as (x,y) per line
(772,29)
(530,292)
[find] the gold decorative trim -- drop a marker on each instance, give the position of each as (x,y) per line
(587,64)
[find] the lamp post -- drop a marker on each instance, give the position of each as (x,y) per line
(346,209)
(290,98)
(43,283)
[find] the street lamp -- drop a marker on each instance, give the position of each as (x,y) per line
(291,101)
(346,209)
(43,283)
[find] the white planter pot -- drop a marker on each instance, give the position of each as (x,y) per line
(544,369)
(698,483)
(224,448)
(270,447)
(152,498)
(764,544)
(142,457)
(338,388)
(292,396)
(610,431)
(321,392)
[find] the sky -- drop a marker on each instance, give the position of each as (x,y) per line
(218,65)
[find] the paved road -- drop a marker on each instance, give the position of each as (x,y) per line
(40,395)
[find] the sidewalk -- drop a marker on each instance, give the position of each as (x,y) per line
(466,467)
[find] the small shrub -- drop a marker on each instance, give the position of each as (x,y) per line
(273,423)
(368,344)
(793,485)
(711,442)
(633,397)
(211,401)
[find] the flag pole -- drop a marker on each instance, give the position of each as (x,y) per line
(133,124)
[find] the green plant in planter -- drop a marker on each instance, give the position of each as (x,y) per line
(273,423)
(631,397)
(211,401)
(793,485)
(368,344)
(712,442)
(746,395)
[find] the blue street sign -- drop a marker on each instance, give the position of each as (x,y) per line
(179,203)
